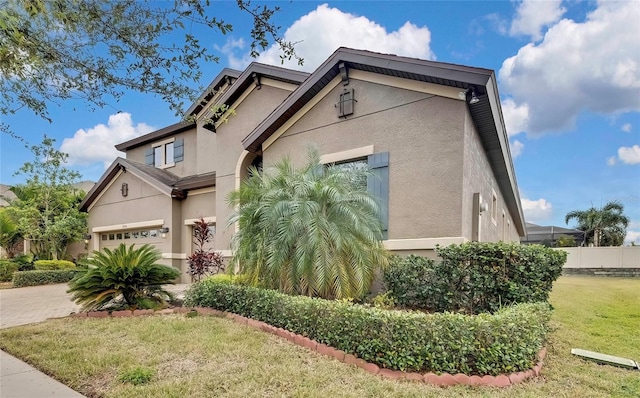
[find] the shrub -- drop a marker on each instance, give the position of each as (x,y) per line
(42,277)
(53,264)
(123,277)
(7,268)
(25,262)
(203,261)
(410,281)
(507,341)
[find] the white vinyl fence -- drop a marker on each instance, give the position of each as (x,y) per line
(627,257)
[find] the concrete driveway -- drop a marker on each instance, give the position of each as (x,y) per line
(37,303)
(34,304)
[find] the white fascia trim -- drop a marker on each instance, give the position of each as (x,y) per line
(104,190)
(407,84)
(163,142)
(202,191)
(212,102)
(235,105)
(292,120)
(265,81)
(133,225)
(192,221)
(347,155)
(421,243)
(175,256)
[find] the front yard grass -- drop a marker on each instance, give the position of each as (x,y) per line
(213,357)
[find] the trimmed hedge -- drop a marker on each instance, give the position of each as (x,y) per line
(53,265)
(505,342)
(7,268)
(475,277)
(42,277)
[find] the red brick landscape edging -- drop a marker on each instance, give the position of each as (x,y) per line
(441,380)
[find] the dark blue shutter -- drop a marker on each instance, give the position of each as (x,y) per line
(178,150)
(148,156)
(378,186)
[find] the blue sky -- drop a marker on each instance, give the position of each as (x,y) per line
(568,74)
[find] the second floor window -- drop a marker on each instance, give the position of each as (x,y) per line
(165,153)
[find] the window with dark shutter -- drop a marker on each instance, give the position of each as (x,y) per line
(178,150)
(148,157)
(378,186)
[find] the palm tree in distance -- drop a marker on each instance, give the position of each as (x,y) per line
(312,230)
(606,226)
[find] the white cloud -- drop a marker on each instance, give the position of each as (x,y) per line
(516,148)
(629,155)
(632,236)
(516,116)
(592,65)
(626,127)
(536,210)
(319,33)
(229,49)
(96,144)
(611,161)
(533,15)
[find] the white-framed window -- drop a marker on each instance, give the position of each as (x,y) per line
(163,155)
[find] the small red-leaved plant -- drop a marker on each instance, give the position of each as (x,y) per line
(203,261)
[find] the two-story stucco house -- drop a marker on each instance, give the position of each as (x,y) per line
(433,132)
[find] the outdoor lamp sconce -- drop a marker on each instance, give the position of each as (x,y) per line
(87,238)
(164,231)
(464,94)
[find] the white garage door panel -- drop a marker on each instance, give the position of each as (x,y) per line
(113,239)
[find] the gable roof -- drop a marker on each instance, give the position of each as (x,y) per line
(227,75)
(486,114)
(155,135)
(166,182)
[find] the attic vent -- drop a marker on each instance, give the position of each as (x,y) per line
(345,105)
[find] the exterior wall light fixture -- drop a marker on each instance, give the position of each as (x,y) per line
(164,231)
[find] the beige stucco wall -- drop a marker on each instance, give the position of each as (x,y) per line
(144,203)
(479,177)
(424,135)
(248,114)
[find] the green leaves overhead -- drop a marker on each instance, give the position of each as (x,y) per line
(95,50)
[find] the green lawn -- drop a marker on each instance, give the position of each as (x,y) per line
(213,357)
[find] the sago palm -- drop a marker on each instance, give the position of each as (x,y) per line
(125,276)
(606,225)
(309,231)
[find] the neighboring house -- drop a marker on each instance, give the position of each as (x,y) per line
(432,132)
(549,234)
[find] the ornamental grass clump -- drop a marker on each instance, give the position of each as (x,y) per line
(125,277)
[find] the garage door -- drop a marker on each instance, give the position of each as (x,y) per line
(139,237)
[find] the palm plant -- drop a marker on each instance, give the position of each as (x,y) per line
(606,226)
(308,231)
(123,277)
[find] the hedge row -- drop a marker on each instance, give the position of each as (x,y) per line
(484,344)
(42,277)
(53,264)
(475,277)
